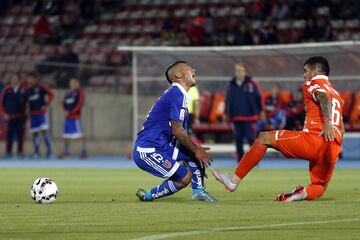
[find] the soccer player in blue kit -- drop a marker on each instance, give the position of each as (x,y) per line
(163,141)
(39,98)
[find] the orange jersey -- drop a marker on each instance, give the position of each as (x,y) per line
(314,119)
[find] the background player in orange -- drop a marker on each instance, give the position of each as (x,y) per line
(319,142)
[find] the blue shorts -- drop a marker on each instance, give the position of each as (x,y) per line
(158,163)
(72,128)
(38,123)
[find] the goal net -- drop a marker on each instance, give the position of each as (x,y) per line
(215,67)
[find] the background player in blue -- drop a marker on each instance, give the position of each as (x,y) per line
(72,103)
(13,105)
(39,98)
(163,140)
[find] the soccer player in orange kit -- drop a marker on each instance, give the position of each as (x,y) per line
(319,142)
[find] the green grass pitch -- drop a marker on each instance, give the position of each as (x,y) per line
(100,204)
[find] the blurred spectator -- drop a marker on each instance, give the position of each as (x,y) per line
(170,27)
(310,30)
(243,107)
(261,9)
(243,35)
(43,32)
(268,33)
(13,106)
(195,32)
(281,10)
(295,112)
(206,17)
(49,7)
(71,17)
(323,29)
(274,111)
(71,60)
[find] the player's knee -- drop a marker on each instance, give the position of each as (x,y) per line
(185,181)
(263,138)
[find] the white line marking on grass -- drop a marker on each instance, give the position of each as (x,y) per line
(189,233)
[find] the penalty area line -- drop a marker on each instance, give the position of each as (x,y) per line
(197,232)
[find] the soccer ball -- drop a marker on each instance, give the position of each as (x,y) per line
(44,190)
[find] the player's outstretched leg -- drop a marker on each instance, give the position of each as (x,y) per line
(311,192)
(250,160)
(298,194)
(198,183)
(179,180)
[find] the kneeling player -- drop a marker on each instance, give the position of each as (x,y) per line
(72,104)
(163,140)
(319,142)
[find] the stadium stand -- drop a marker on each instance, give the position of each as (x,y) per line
(197,22)
(94,34)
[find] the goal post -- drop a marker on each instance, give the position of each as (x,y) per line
(214,66)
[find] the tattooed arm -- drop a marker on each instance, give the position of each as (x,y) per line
(199,151)
(325,105)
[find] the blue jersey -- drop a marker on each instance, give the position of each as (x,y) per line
(156,131)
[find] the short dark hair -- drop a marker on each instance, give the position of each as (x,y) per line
(319,63)
(169,68)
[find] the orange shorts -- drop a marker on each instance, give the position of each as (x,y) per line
(322,155)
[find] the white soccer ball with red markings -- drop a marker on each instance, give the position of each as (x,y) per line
(44,190)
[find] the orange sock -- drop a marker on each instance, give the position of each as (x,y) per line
(314,191)
(250,159)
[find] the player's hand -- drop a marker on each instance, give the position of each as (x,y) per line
(6,117)
(44,108)
(203,156)
(328,132)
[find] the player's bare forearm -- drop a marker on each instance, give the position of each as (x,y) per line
(180,133)
(200,152)
(324,102)
(325,106)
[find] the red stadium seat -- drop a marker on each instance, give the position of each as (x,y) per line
(355,112)
(205,105)
(348,98)
(218,108)
(285,97)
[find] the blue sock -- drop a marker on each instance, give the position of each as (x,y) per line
(166,188)
(47,140)
(197,179)
(36,142)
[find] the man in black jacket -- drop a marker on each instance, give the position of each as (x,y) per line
(243,107)
(13,103)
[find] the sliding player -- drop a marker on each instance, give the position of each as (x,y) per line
(39,98)
(319,142)
(163,141)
